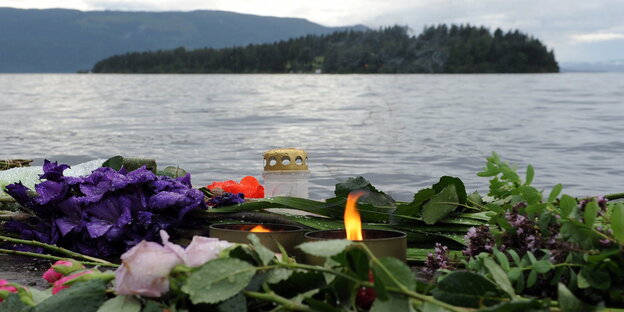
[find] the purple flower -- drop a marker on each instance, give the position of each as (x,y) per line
(478,240)
(227,199)
(436,261)
(105,213)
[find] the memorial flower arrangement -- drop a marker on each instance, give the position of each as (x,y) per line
(535,252)
(102,214)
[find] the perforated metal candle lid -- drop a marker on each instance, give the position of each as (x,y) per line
(285,159)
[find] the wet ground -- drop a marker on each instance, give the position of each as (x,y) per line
(26,271)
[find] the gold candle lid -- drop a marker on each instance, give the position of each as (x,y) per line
(285,159)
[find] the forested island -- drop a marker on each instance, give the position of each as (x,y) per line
(438,49)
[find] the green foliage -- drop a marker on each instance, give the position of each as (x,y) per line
(90,295)
(438,49)
(440,205)
(468,289)
(325,248)
(121,304)
(218,280)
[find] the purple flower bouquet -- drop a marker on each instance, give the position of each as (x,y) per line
(103,214)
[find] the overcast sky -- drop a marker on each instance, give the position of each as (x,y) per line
(578,30)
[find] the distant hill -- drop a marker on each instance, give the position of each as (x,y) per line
(438,49)
(59,40)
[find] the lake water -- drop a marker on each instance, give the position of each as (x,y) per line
(402,132)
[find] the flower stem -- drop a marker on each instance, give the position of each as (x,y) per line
(272,297)
(54,248)
(50,257)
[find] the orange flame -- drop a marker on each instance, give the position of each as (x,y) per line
(260,228)
(353,223)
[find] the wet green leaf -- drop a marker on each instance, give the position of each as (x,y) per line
(218,280)
(121,304)
(325,248)
(468,289)
(440,205)
(617,222)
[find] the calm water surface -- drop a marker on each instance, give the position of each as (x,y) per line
(402,132)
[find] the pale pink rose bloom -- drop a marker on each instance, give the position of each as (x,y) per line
(145,270)
(199,251)
(203,249)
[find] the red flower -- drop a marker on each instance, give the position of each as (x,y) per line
(248,186)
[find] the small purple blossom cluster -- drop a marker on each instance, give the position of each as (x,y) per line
(478,239)
(226,199)
(600,200)
(436,261)
(102,214)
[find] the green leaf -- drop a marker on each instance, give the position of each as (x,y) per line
(531,257)
(591,210)
(554,193)
(532,279)
(173,172)
(514,256)
(152,306)
(460,189)
(530,173)
(514,274)
(266,255)
(568,302)
(394,303)
(397,270)
(90,294)
(596,277)
(502,259)
(567,205)
(517,306)
(542,266)
(468,289)
(475,199)
(115,162)
(237,303)
(319,305)
(500,277)
(218,280)
(325,248)
(121,304)
(13,304)
(279,274)
(373,196)
(415,206)
(617,222)
(40,295)
(440,205)
(357,261)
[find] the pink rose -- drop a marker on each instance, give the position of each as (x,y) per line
(67,281)
(52,275)
(203,249)
(4,287)
(199,251)
(145,267)
(145,270)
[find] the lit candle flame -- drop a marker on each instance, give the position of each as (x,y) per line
(353,223)
(260,228)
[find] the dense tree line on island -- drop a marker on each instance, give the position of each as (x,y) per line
(438,49)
